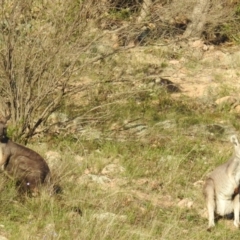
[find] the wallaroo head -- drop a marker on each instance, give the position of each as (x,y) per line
(236,144)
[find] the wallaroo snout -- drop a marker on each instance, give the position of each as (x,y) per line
(222,187)
(24,165)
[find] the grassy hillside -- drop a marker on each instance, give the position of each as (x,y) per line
(140,177)
(133,142)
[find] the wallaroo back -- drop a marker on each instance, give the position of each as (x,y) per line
(221,189)
(21,163)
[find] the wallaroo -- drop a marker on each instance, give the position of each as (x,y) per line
(222,187)
(22,164)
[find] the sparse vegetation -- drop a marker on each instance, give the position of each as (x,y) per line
(133,153)
(159,170)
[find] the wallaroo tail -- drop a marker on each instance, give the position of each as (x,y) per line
(24,165)
(221,189)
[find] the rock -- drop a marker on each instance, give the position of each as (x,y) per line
(227,100)
(53,158)
(185,203)
(75,212)
(198,183)
(219,129)
(112,169)
(3,238)
(167,124)
(168,158)
(197,43)
(58,117)
(205,47)
(109,217)
(174,62)
(215,128)
(236,109)
(50,232)
(90,133)
(135,127)
(79,159)
(203,213)
(99,179)
(103,48)
(169,85)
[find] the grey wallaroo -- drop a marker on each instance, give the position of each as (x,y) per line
(22,164)
(221,188)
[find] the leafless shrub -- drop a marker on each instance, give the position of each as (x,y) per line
(173,17)
(214,19)
(42,43)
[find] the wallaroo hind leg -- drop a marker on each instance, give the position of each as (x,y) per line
(209,193)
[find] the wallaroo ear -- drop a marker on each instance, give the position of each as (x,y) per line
(4,120)
(234,140)
(5,112)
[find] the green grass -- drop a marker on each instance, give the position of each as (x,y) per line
(164,146)
(140,202)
